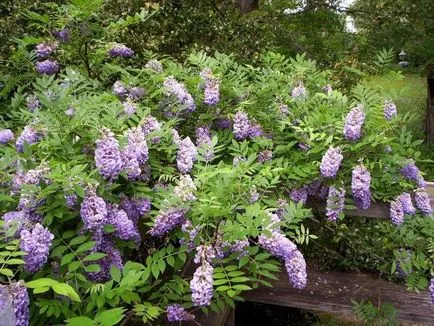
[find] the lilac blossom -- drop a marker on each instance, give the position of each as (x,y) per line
(335,203)
(396,212)
(136,93)
(389,109)
(212,87)
(255,130)
(113,258)
(36,246)
(298,195)
(360,186)
(354,122)
(108,157)
(330,162)
(137,144)
(62,35)
(47,67)
(313,188)
(254,195)
(6,135)
(129,108)
(299,92)
(70,111)
(192,232)
(32,103)
(154,65)
(412,172)
(130,164)
(283,109)
(21,219)
(265,155)
(135,207)
(167,221)
(176,312)
(119,89)
(186,155)
(204,253)
(29,136)
(241,125)
(203,141)
(120,50)
(150,124)
(125,228)
(237,160)
(407,204)
(71,200)
(223,123)
(20,302)
(277,244)
(327,89)
(43,50)
(303,146)
(180,92)
(239,247)
(175,137)
(93,211)
(422,200)
(202,285)
(185,189)
(296,268)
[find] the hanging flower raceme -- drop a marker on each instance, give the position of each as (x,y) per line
(71,200)
(212,87)
(167,221)
(407,205)
(177,90)
(330,162)
(47,67)
(135,207)
(119,89)
(223,123)
(120,50)
(431,289)
(422,200)
(136,93)
(176,312)
(327,89)
(185,189)
(154,65)
(335,202)
(202,285)
(186,155)
(35,176)
(43,50)
(396,212)
(354,122)
(203,141)
(150,125)
(298,195)
(254,195)
(360,186)
(28,136)
(296,268)
(241,125)
(277,244)
(129,108)
(389,109)
(299,92)
(108,157)
(265,155)
(32,103)
(125,227)
(6,136)
(93,211)
(36,246)
(62,35)
(113,258)
(70,111)
(412,172)
(17,293)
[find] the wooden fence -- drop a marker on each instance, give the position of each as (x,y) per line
(333,291)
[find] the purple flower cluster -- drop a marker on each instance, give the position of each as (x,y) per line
(396,212)
(125,227)
(303,146)
(264,156)
(154,65)
(330,162)
(177,90)
(62,35)
(108,157)
(411,172)
(36,246)
(136,207)
(431,289)
(35,176)
(298,195)
(93,211)
(422,200)
(277,244)
(335,203)
(6,135)
(71,200)
(389,110)
(129,108)
(136,93)
(43,50)
(192,232)
(202,285)
(327,89)
(47,67)
(299,92)
(203,141)
(223,123)
(407,204)
(135,153)
(70,111)
(120,50)
(175,137)
(167,221)
(185,189)
(212,87)
(254,195)
(29,135)
(186,155)
(176,312)
(20,302)
(354,122)
(283,109)
(113,258)
(32,103)
(243,128)
(205,253)
(296,268)
(150,125)
(119,89)
(360,186)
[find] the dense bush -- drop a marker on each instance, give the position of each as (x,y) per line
(168,187)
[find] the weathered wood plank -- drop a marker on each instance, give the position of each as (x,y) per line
(333,291)
(377,210)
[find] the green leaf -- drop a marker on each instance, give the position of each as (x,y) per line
(94,256)
(41,282)
(110,317)
(155,270)
(86,247)
(94,268)
(78,240)
(67,290)
(7,272)
(15,261)
(115,273)
(80,321)
(242,287)
(67,259)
